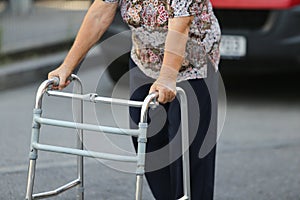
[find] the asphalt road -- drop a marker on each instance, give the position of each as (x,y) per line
(258,151)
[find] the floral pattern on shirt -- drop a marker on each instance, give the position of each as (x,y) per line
(148,20)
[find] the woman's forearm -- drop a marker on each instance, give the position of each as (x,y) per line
(177,36)
(174,52)
(95,23)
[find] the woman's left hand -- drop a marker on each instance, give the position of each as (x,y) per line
(165,85)
(165,94)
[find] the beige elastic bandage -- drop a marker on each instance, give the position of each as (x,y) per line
(167,77)
(176,43)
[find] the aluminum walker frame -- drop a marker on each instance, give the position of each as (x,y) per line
(141,133)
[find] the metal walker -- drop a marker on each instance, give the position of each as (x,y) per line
(141,133)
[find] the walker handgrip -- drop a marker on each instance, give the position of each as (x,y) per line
(55,81)
(155,102)
(150,98)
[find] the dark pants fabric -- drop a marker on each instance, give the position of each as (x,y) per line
(163,158)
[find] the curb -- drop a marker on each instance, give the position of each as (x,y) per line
(28,71)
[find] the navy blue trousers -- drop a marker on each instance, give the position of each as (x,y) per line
(163,158)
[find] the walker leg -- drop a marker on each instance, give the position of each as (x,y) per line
(30,179)
(33,155)
(139,187)
(141,154)
(185,145)
(78,108)
(80,187)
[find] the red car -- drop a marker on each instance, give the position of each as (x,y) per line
(259,29)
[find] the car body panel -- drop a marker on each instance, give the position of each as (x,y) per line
(255,4)
(271,32)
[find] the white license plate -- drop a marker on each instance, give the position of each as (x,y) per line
(233,46)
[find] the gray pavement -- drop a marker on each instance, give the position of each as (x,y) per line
(101,181)
(258,151)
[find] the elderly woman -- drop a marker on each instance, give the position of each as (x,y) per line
(175,42)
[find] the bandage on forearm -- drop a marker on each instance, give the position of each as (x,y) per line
(176,43)
(167,77)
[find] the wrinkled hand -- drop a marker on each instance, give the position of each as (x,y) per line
(62,72)
(164,93)
(165,85)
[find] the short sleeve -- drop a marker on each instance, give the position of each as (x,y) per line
(182,8)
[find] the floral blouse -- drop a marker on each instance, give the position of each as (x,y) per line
(148,21)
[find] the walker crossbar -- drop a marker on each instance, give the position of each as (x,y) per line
(141,133)
(88,127)
(85,153)
(92,97)
(58,190)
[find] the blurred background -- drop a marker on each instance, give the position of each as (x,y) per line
(259,146)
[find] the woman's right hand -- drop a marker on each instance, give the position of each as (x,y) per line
(63,73)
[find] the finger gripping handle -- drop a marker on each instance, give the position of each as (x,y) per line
(55,81)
